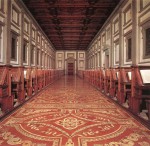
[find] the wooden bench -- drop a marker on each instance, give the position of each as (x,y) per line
(17,84)
(27,82)
(6,98)
(124,92)
(97,78)
(107,81)
(102,79)
(39,79)
(47,77)
(114,77)
(140,97)
(34,80)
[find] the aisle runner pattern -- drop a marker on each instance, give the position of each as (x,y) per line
(72,113)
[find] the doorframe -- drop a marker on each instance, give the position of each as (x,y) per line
(73,67)
(70,60)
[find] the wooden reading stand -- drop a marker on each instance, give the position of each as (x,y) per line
(102,79)
(17,84)
(140,99)
(124,92)
(6,98)
(28,82)
(107,81)
(34,80)
(114,77)
(39,79)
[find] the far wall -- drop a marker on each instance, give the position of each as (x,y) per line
(75,57)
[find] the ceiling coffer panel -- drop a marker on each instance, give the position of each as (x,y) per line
(71,24)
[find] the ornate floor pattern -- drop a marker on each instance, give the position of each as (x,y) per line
(72,113)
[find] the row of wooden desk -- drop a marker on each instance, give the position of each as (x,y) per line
(129,86)
(17,84)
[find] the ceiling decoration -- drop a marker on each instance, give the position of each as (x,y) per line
(71,24)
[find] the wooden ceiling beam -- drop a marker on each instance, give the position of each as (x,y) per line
(69,16)
(75,5)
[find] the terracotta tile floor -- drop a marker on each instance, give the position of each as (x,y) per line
(72,113)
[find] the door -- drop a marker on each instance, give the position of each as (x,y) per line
(70,68)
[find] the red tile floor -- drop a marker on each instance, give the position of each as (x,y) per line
(72,113)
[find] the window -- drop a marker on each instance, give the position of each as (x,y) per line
(116,26)
(32,55)
(38,38)
(1,43)
(1,5)
(108,33)
(14,48)
(127,15)
(15,15)
(42,42)
(144,3)
(103,38)
(26,26)
(43,57)
(33,33)
(38,56)
(99,53)
(25,47)
(129,49)
(116,52)
(147,42)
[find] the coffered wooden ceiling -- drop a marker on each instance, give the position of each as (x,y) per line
(71,24)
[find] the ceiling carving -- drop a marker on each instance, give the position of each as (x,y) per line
(71,24)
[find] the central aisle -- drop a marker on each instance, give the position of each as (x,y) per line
(72,113)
